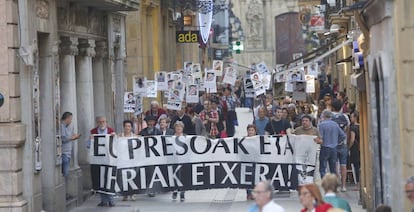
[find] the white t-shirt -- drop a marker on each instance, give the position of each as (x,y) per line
(273,207)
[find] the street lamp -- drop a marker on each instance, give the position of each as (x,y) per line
(188,20)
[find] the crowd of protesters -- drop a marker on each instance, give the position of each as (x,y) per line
(332,119)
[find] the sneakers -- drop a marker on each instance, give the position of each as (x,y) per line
(182,198)
(174,195)
(130,197)
(343,189)
(151,194)
(102,204)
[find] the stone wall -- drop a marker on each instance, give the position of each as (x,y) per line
(12,131)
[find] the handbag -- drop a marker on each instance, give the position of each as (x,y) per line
(223,134)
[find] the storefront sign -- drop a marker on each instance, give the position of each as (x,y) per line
(187,36)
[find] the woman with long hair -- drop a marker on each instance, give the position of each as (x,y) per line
(311,199)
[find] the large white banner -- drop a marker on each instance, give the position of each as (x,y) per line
(167,163)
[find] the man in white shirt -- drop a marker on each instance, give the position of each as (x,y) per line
(263,194)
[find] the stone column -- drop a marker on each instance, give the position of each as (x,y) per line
(119,86)
(85,103)
(68,51)
(53,187)
(98,77)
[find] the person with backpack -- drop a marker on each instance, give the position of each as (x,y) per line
(343,121)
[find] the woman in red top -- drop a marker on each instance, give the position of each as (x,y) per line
(311,199)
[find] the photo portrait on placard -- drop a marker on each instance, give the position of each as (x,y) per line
(289,85)
(262,68)
(197,80)
(257,84)
(299,86)
(248,87)
(230,76)
(175,98)
(129,102)
(218,67)
(266,79)
(279,68)
(178,85)
(188,79)
(175,95)
(151,86)
(210,79)
(161,78)
(192,94)
(310,83)
(197,73)
(297,56)
(280,77)
(210,76)
(170,86)
(196,67)
(139,85)
(188,66)
(176,76)
(296,75)
(313,69)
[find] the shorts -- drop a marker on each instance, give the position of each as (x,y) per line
(342,151)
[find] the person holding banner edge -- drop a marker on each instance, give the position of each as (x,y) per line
(127,132)
(251,131)
(150,130)
(278,125)
(178,131)
(102,128)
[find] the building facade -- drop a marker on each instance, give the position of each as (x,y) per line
(388,29)
(58,55)
(258,19)
(151,40)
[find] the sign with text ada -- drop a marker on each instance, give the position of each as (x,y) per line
(187,36)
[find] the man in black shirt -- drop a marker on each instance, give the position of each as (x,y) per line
(278,126)
(186,119)
(150,129)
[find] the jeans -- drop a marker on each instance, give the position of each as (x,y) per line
(106,198)
(65,165)
(357,167)
(342,154)
(248,102)
(327,155)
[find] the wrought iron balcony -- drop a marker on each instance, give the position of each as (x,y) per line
(110,5)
